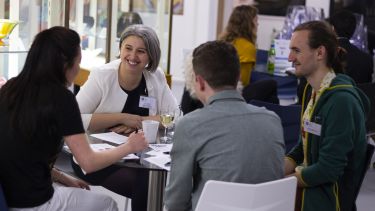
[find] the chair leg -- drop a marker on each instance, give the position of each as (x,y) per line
(372,138)
(126,204)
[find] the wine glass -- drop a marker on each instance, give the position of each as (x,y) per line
(177,115)
(166,119)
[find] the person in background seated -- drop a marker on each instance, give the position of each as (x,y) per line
(241,31)
(189,100)
(329,157)
(37,115)
(118,96)
(358,64)
(226,140)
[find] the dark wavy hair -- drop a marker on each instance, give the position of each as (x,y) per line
(241,24)
(322,34)
(28,98)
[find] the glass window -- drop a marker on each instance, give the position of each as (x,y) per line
(32,17)
(153,13)
(89,19)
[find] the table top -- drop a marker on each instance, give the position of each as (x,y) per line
(135,163)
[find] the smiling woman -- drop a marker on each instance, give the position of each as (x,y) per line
(110,100)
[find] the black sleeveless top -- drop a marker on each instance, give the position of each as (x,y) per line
(132,102)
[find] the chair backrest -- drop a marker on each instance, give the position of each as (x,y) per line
(369,153)
(290,119)
(286,85)
(223,196)
(261,56)
(263,90)
(3,204)
(369,90)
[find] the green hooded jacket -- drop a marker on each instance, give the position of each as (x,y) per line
(336,158)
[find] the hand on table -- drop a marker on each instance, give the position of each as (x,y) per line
(133,121)
(122,129)
(137,142)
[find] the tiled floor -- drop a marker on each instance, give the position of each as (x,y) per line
(366,197)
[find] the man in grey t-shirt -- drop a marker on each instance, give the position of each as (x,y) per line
(227,140)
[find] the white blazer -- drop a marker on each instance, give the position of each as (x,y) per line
(102,92)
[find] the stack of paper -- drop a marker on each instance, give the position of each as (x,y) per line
(160,155)
(161,147)
(163,162)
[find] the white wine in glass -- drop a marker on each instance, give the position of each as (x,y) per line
(166,119)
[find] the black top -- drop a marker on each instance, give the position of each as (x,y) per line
(189,104)
(25,172)
(359,65)
(132,102)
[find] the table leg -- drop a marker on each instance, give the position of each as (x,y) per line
(156,186)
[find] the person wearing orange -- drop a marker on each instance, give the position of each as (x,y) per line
(241,31)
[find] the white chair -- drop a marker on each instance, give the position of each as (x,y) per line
(276,195)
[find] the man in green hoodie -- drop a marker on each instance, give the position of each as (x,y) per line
(329,158)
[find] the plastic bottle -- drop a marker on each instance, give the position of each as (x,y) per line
(271,58)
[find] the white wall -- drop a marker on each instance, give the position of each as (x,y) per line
(266,25)
(196,26)
(318,5)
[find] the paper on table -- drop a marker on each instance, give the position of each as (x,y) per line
(111,137)
(101,147)
(160,161)
(154,153)
(161,147)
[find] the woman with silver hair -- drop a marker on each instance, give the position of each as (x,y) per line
(112,99)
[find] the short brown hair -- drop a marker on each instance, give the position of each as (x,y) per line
(217,62)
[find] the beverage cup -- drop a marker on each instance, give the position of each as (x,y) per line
(150,129)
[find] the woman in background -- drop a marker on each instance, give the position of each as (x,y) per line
(241,31)
(38,113)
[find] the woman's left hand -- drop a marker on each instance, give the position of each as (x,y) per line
(122,129)
(67,180)
(74,182)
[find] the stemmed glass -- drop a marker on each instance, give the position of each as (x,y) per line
(177,115)
(166,119)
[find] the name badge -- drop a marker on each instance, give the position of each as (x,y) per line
(312,127)
(147,102)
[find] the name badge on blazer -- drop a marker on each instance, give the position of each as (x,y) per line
(147,102)
(312,127)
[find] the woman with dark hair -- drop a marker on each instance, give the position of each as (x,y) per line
(38,113)
(241,31)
